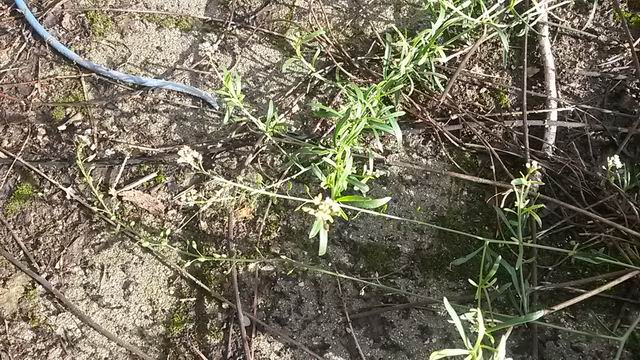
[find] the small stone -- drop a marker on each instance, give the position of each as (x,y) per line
(245,320)
(579,347)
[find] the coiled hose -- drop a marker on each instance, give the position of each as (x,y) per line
(108,73)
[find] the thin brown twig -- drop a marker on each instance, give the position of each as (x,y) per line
(236,290)
(256,279)
(591,293)
(462,65)
(227,352)
(606,296)
(197,351)
(527,156)
(582,281)
(346,314)
(17,239)
(627,138)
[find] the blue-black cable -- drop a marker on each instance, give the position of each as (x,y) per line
(101,70)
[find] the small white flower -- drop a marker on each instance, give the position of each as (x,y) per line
(533,165)
(83,139)
(208,49)
(614,162)
(188,156)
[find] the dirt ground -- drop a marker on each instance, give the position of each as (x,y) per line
(47,104)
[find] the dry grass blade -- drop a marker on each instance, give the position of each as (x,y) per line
(628,35)
(462,65)
(234,279)
(592,293)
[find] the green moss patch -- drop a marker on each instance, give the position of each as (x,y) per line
(21,196)
(182,23)
(59,112)
(632,17)
(99,23)
(177,322)
(502,99)
(378,257)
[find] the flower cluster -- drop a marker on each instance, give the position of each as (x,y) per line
(613,162)
(188,156)
(208,49)
(533,166)
(326,209)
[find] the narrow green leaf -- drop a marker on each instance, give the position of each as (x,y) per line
(318,173)
(505,221)
(502,346)
(287,64)
(456,321)
(310,36)
(494,268)
(270,111)
(464,259)
(362,187)
(325,112)
(315,228)
(441,354)
(520,320)
(363,202)
(396,130)
(518,182)
(324,239)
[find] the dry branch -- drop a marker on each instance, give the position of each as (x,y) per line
(549,67)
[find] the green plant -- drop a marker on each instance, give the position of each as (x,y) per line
(235,109)
(622,176)
(632,18)
(484,343)
(524,190)
(516,220)
(300,42)
(177,322)
(365,111)
(502,98)
(324,211)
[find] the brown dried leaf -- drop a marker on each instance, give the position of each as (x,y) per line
(143,201)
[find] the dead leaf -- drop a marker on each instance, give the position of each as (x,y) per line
(67,22)
(532,71)
(143,201)
(244,213)
(10,294)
